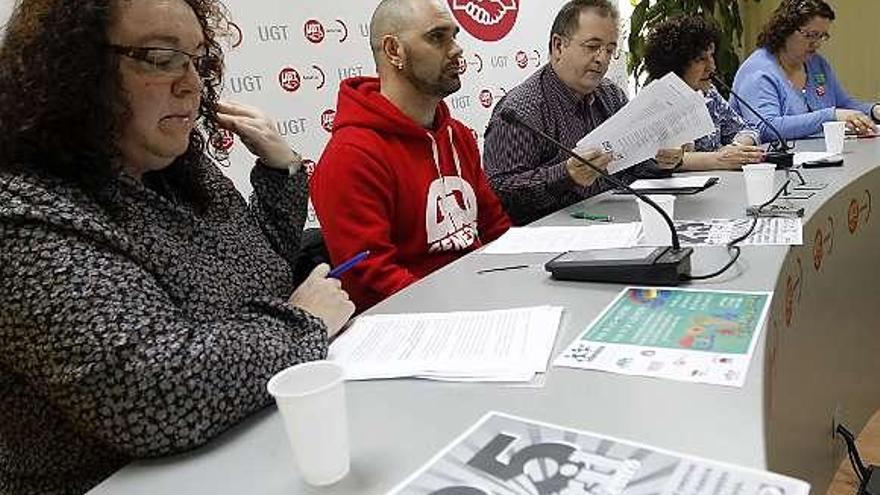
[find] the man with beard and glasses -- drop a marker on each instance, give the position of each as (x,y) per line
(567,99)
(400,177)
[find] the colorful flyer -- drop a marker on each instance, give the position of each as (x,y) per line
(504,454)
(679,334)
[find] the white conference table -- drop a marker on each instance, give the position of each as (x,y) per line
(816,360)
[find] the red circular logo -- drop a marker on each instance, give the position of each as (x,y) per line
(854,213)
(788,309)
(486,20)
(314,31)
(327,119)
(522,59)
(486,98)
(289,79)
(818,250)
(223,141)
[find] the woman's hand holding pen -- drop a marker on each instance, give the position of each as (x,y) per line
(323,296)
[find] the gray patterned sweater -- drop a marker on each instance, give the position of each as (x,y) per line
(142,332)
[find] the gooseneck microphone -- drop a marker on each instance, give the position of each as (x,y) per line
(662,266)
(780,152)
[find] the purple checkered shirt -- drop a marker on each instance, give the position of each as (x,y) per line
(527,172)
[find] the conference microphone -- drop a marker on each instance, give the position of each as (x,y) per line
(780,152)
(649,266)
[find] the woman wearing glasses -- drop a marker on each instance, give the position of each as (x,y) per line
(686,45)
(144,303)
(790,84)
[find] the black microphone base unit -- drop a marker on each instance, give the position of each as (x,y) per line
(782,159)
(662,266)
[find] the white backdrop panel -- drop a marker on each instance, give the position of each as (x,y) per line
(288,59)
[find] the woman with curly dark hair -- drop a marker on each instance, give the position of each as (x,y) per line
(790,84)
(685,45)
(145,304)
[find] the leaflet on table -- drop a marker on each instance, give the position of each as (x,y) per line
(666,113)
(688,335)
(499,345)
(769,231)
(504,454)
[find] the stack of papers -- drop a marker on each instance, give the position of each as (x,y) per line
(510,345)
(562,239)
(667,113)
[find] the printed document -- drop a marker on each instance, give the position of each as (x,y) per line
(666,113)
(500,345)
(678,334)
(504,454)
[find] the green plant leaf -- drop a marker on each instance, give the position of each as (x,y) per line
(725,13)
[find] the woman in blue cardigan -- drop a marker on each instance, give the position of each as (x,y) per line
(790,84)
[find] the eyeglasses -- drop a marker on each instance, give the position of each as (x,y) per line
(169,62)
(593,48)
(814,36)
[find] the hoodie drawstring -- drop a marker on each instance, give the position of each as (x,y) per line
(454,153)
(436,151)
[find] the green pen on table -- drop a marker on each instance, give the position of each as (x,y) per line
(583,215)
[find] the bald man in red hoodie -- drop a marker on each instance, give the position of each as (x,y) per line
(400,177)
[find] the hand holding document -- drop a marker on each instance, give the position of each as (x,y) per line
(667,113)
(503,345)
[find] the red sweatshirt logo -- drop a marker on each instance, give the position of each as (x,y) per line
(487,20)
(451,215)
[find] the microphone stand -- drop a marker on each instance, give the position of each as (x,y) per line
(676,258)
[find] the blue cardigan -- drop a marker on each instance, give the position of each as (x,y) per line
(762,83)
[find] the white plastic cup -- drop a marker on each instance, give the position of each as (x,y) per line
(834,136)
(311,398)
(760,181)
(654,228)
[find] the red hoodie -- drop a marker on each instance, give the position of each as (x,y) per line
(416,198)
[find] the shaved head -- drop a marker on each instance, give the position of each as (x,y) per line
(414,46)
(389,18)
